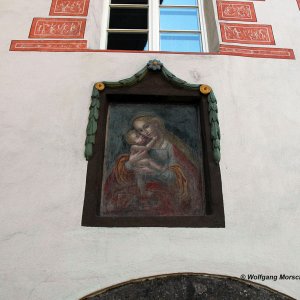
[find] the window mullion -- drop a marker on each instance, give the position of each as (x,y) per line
(105,24)
(154,25)
(203,26)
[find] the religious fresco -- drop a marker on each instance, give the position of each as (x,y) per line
(153,163)
(153,146)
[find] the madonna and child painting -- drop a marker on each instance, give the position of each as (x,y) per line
(153,162)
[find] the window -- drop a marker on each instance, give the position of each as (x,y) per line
(157,25)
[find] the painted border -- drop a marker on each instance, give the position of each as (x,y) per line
(47,45)
(247,51)
(259,52)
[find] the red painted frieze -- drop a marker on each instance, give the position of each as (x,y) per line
(69,7)
(236,11)
(81,46)
(247,34)
(29,45)
(261,52)
(57,28)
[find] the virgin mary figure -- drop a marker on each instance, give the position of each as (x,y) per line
(175,189)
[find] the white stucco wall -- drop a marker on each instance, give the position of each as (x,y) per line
(46,254)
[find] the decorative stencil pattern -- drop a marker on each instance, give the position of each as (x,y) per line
(57,28)
(247,34)
(73,28)
(236,11)
(29,45)
(69,7)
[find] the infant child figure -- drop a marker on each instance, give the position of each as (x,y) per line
(139,158)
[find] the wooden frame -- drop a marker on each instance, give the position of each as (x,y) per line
(154,86)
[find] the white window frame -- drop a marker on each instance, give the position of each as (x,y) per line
(153,23)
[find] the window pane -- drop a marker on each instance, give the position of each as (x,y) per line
(178,2)
(179,19)
(123,18)
(180,42)
(129,1)
(127,41)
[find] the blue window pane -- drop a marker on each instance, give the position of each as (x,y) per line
(179,19)
(179,2)
(181,42)
(146,48)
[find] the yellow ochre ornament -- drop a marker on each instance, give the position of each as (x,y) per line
(205,89)
(100,86)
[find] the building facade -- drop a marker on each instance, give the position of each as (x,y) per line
(52,54)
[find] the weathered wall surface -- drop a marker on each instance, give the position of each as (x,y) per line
(46,254)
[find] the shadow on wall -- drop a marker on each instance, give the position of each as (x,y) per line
(187,286)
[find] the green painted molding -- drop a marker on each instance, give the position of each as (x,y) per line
(152,66)
(92,124)
(214,126)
